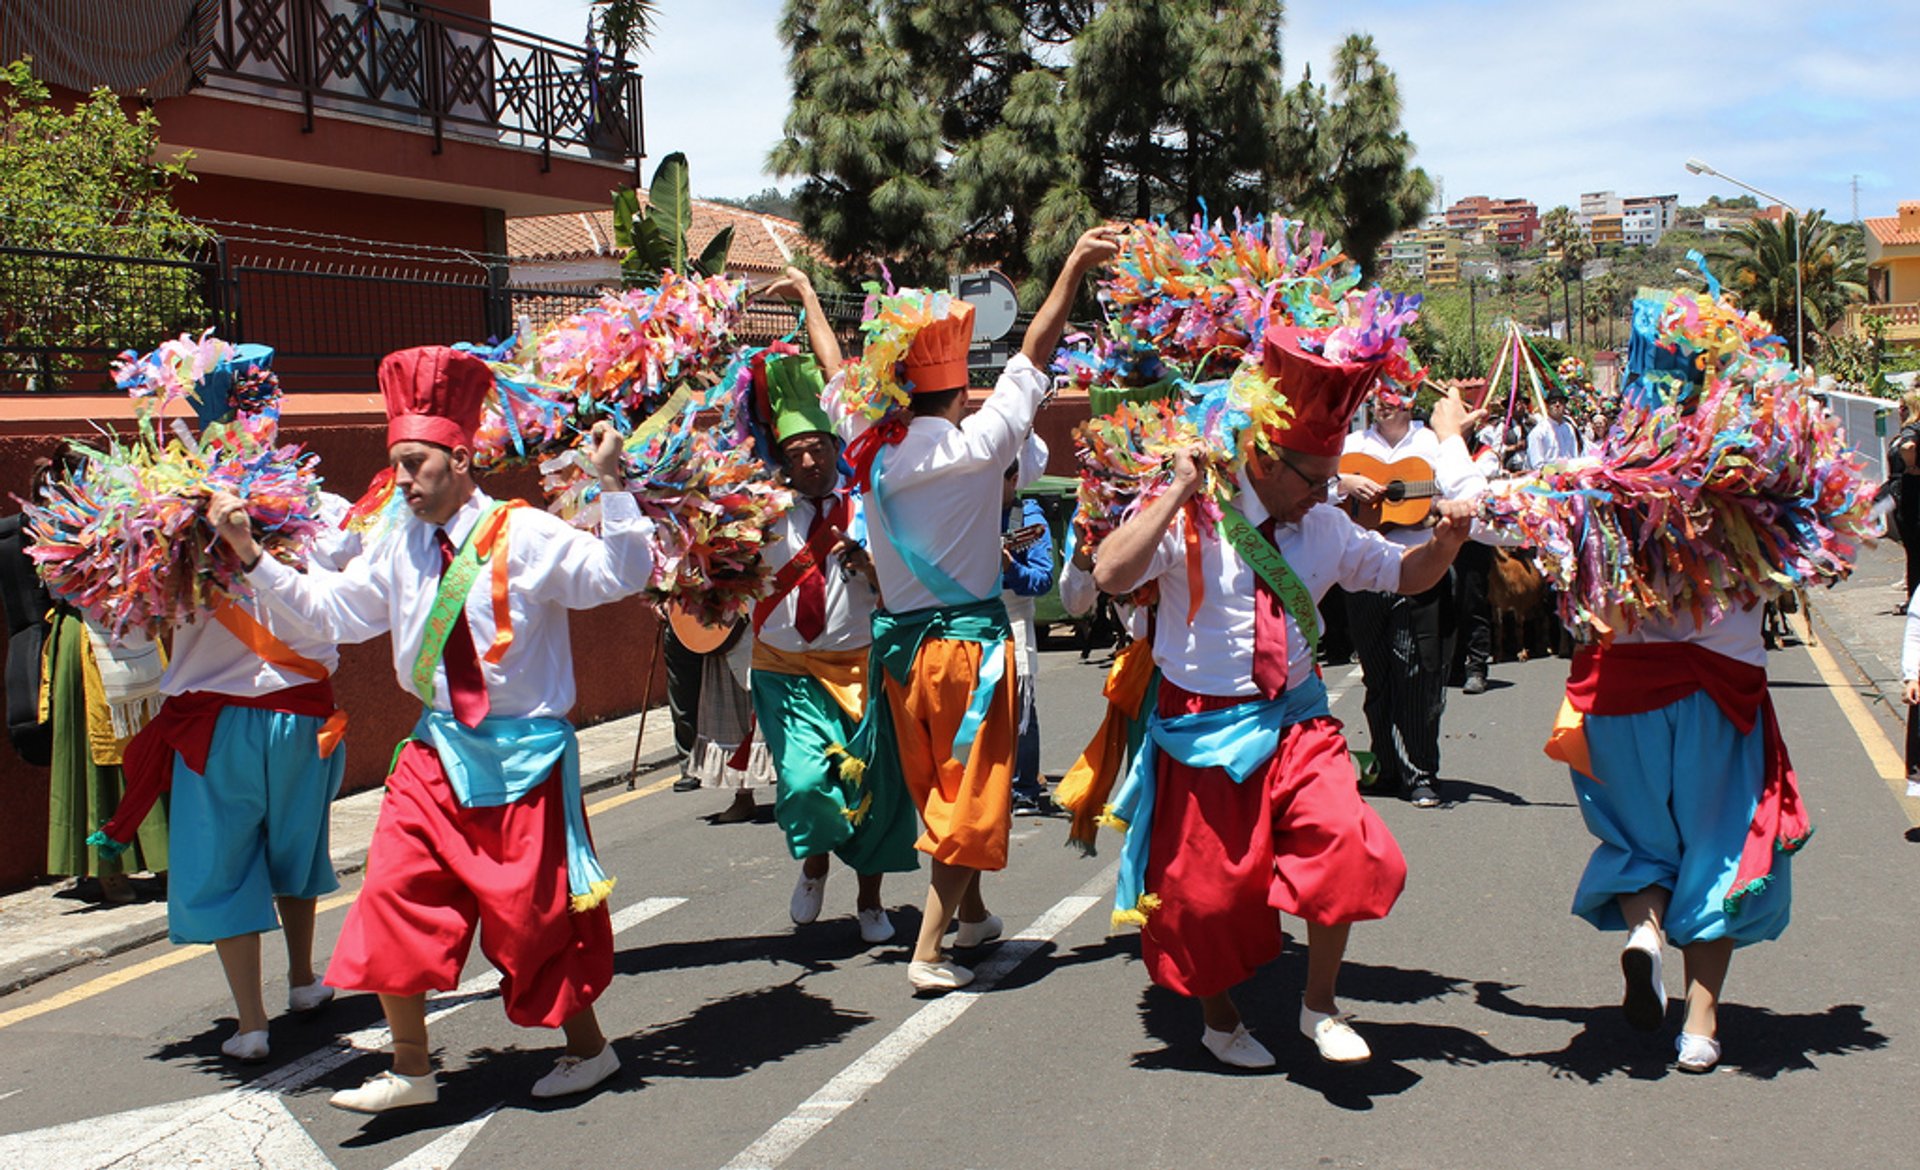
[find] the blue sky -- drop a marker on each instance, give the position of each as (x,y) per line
(1543,100)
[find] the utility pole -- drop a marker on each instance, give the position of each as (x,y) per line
(1473,322)
(1856,199)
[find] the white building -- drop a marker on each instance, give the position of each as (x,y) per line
(1645,218)
(1596,203)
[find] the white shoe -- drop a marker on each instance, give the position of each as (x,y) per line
(1336,1039)
(1698,1054)
(808,894)
(577,1074)
(1644,1002)
(388,1090)
(940,976)
(1237,1048)
(312,997)
(875,926)
(973,934)
(248,1047)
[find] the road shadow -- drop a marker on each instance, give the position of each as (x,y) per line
(736,1034)
(1269,1005)
(1464,791)
(815,948)
(293,1036)
(1757,1042)
(1047,959)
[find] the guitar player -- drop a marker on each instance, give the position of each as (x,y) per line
(1405,643)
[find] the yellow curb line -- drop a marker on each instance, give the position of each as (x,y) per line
(174,958)
(1886,759)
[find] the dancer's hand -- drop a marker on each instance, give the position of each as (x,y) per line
(607,448)
(1095,246)
(1186,472)
(1910,690)
(1454,521)
(228,515)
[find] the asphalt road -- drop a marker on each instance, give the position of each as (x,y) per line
(748,1042)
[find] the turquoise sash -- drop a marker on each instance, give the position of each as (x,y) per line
(1239,739)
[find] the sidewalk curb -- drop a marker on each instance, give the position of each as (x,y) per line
(18,976)
(1876,692)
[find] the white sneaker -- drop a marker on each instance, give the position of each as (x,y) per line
(1698,1054)
(1644,1002)
(808,895)
(248,1047)
(1237,1048)
(1336,1039)
(312,997)
(577,1074)
(388,1090)
(875,926)
(940,976)
(973,934)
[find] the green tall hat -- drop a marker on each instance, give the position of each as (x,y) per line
(794,389)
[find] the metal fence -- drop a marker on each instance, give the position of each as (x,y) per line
(65,316)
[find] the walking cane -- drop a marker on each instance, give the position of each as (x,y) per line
(646,701)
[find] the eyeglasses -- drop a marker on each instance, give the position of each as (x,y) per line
(1323,484)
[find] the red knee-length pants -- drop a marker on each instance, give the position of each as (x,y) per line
(1224,857)
(436,870)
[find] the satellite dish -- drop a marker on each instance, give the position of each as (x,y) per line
(995,305)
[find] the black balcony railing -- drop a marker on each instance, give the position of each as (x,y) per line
(426,66)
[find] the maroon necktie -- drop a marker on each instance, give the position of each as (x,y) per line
(466,689)
(1269,633)
(810,593)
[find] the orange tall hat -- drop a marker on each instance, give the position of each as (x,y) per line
(1324,395)
(433,395)
(937,360)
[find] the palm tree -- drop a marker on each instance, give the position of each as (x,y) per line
(1756,265)
(1545,282)
(1563,230)
(1607,292)
(626,25)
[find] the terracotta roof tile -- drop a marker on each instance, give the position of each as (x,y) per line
(761,243)
(1886,229)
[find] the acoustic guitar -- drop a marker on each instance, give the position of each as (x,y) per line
(1408,500)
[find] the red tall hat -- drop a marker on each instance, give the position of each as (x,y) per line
(433,395)
(1324,395)
(937,360)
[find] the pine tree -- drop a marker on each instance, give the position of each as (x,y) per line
(867,141)
(1348,159)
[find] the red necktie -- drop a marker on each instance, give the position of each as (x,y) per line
(1269,633)
(810,594)
(466,689)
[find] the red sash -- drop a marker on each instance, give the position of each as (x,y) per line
(814,552)
(185,725)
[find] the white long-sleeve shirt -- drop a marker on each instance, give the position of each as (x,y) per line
(552,567)
(850,600)
(206,657)
(1214,654)
(1551,442)
(942,486)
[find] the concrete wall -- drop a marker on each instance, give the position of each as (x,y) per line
(611,645)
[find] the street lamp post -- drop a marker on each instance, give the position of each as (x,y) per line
(1695,166)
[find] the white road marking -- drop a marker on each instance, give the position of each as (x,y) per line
(446,1149)
(1346,682)
(248,1125)
(814,1114)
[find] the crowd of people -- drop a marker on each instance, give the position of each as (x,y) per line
(884,691)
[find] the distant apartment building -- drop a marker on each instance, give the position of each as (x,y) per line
(1646,218)
(1607,228)
(1506,221)
(1430,254)
(1597,203)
